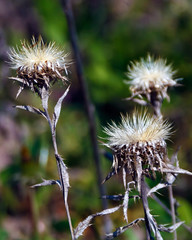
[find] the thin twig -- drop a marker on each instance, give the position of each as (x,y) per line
(58,159)
(66,4)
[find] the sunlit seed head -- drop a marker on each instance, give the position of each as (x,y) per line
(38,61)
(138,145)
(138,128)
(149,75)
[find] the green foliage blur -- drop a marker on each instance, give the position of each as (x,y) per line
(110,34)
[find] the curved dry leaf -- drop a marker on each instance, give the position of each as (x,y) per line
(126,201)
(64,176)
(170,229)
(156,188)
(47,183)
(86,223)
(57,109)
(176,171)
(121,230)
(31,109)
(45,97)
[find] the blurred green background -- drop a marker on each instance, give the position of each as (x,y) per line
(111,34)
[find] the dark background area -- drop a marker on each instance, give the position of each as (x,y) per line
(111,34)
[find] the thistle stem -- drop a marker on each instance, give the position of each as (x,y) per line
(172,205)
(156,103)
(59,159)
(145,207)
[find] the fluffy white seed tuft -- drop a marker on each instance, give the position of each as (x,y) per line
(148,75)
(138,128)
(38,56)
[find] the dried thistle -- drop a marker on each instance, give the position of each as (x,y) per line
(38,64)
(150,75)
(38,67)
(138,145)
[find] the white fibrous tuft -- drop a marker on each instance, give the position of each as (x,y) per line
(138,128)
(38,64)
(149,75)
(37,55)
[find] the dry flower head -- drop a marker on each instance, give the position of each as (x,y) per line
(148,75)
(138,145)
(38,64)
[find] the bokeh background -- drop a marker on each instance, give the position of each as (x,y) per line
(111,34)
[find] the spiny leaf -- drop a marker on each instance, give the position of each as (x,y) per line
(170,178)
(45,97)
(31,109)
(156,188)
(86,223)
(57,108)
(64,176)
(120,230)
(171,228)
(82,226)
(19,80)
(153,225)
(19,91)
(176,170)
(47,183)
(126,201)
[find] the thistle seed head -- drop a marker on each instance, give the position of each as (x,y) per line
(149,75)
(38,64)
(138,145)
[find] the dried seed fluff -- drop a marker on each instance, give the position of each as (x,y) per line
(149,75)
(138,145)
(137,128)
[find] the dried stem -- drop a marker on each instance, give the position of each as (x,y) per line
(156,103)
(59,160)
(172,205)
(145,207)
(66,4)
